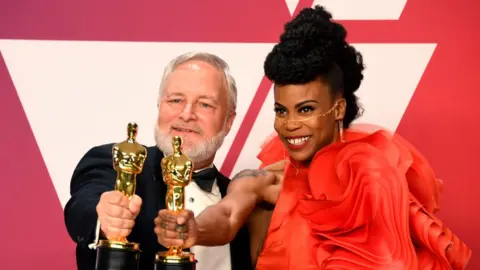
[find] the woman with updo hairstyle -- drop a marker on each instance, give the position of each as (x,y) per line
(352,197)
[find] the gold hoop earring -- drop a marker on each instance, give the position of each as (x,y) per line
(340,130)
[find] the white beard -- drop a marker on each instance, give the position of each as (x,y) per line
(199,153)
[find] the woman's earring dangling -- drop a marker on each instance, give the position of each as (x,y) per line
(340,130)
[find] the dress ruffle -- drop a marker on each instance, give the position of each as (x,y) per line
(368,203)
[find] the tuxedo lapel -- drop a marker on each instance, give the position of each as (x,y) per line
(160,187)
(222,183)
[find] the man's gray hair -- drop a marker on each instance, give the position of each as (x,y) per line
(211,59)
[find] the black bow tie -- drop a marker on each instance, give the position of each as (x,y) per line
(205,178)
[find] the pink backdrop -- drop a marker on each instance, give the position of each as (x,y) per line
(56,55)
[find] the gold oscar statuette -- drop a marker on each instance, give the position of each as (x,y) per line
(128,160)
(177,171)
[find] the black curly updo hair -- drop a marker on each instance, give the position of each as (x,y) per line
(312,47)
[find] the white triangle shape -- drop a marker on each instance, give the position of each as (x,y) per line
(292,5)
(80,94)
(72,92)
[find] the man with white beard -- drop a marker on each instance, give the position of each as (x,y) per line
(197,101)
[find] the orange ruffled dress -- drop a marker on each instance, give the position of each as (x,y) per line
(366,203)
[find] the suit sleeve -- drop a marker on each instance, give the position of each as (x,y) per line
(93,176)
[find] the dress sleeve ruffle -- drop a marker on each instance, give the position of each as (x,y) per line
(438,247)
(359,207)
(370,197)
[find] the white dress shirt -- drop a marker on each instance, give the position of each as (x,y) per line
(209,258)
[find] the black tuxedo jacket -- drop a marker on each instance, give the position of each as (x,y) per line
(95,174)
